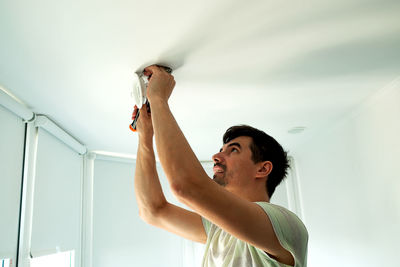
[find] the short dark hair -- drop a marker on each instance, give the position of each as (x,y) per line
(263,148)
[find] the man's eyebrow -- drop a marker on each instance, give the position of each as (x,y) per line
(235,144)
(232,144)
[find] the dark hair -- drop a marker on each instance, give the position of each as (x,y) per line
(263,148)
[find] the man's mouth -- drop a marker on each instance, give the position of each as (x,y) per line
(219,168)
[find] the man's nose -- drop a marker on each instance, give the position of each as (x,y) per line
(218,158)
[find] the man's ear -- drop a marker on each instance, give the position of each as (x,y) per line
(265,168)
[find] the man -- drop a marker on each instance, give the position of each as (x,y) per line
(232,214)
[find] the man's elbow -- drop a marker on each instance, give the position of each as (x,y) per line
(151,214)
(183,191)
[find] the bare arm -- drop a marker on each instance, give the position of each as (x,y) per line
(153,206)
(148,191)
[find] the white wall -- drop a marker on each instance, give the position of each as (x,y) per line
(351,188)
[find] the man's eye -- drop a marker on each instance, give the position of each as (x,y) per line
(235,149)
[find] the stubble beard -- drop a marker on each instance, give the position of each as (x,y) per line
(220,180)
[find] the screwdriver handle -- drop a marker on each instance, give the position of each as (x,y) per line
(132,126)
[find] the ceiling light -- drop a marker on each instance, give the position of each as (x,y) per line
(297,129)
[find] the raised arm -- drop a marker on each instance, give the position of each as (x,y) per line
(149,195)
(153,206)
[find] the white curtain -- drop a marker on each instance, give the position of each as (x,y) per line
(56,222)
(11,159)
(120,237)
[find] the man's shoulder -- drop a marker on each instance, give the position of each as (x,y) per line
(280,214)
(270,207)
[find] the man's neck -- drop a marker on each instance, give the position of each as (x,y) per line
(252,195)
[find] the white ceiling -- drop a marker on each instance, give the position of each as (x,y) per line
(271,64)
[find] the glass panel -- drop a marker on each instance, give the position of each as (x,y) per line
(5,263)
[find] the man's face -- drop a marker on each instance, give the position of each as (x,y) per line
(233,164)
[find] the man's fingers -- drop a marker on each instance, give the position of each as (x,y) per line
(144,111)
(151,70)
(135,111)
(147,73)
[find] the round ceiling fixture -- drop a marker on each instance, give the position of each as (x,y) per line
(297,129)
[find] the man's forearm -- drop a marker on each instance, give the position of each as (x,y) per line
(148,189)
(177,158)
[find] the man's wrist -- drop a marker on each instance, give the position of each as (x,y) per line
(146,143)
(158,101)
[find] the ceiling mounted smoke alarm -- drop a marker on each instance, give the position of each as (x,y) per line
(297,129)
(138,91)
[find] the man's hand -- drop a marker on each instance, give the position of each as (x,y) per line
(161,83)
(144,125)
